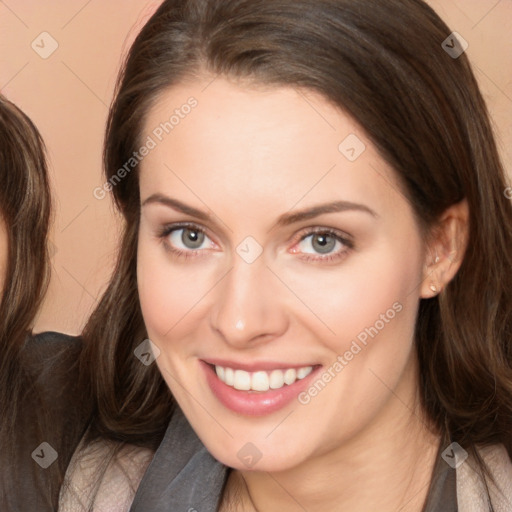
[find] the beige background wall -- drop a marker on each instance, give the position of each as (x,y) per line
(67,95)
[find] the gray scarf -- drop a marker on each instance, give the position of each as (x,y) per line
(184,477)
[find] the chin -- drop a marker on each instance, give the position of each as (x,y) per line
(251,457)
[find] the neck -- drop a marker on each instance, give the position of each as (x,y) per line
(386,467)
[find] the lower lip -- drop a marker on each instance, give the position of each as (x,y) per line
(255,403)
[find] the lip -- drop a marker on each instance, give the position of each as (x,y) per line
(255,366)
(255,403)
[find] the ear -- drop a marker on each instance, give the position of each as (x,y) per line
(445,249)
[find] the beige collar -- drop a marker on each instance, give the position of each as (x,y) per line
(471,491)
(104,477)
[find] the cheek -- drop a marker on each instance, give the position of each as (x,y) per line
(370,307)
(169,293)
(367,292)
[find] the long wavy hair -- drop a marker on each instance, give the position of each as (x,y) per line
(25,208)
(382,63)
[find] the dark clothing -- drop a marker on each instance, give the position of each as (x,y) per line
(182,474)
(52,413)
(442,496)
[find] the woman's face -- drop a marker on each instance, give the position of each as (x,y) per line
(276,250)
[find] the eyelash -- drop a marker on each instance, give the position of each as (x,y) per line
(337,235)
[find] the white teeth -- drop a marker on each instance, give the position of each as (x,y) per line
(304,372)
(242,380)
(260,380)
(290,376)
(229,378)
(276,379)
(220,373)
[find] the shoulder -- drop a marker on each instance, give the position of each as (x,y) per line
(44,353)
(50,346)
(471,489)
(51,416)
(50,362)
(103,475)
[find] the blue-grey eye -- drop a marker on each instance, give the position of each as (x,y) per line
(320,243)
(187,238)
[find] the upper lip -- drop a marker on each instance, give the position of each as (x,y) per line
(256,365)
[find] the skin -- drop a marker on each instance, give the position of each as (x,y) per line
(248,155)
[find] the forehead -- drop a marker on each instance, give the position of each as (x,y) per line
(259,146)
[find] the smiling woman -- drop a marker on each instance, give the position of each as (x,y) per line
(328,175)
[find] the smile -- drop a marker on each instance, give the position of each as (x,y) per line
(261,380)
(259,388)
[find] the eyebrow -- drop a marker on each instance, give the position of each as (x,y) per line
(177,205)
(283,220)
(315,211)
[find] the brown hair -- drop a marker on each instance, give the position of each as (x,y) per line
(25,207)
(384,65)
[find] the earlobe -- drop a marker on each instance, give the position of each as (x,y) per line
(446,249)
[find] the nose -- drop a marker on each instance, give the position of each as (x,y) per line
(247,308)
